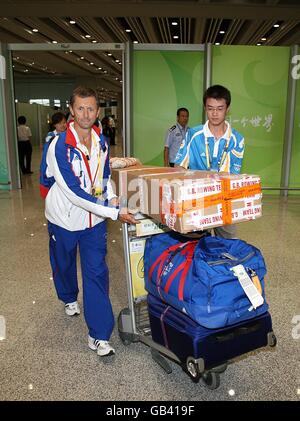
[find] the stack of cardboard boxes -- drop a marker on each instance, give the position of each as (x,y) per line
(187,200)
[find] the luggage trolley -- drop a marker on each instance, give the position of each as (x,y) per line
(134,322)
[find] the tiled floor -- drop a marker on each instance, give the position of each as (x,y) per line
(45,354)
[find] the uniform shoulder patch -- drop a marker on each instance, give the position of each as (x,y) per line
(172,128)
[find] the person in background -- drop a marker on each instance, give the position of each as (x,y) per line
(59,123)
(214,146)
(174,137)
(112,124)
(24,145)
(107,130)
(76,207)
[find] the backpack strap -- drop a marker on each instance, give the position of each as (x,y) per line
(184,268)
(162,258)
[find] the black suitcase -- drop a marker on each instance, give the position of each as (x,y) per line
(203,350)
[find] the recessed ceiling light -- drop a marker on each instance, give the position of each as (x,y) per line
(99,68)
(135,42)
(72,22)
(70,51)
(258,43)
(175,36)
(117,60)
(88,36)
(264,39)
(276,25)
(54,42)
(174,23)
(94,41)
(35,30)
(127,30)
(222,32)
(91,63)
(109,54)
(217,43)
(82,58)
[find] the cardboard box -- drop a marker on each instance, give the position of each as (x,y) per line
(196,200)
(126,181)
(119,177)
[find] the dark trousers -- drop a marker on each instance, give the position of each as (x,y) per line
(25,152)
(113,136)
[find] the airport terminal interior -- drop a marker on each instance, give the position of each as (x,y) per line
(44,355)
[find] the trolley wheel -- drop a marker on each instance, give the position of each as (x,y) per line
(272,340)
(192,369)
(211,379)
(220,368)
(126,338)
(125,341)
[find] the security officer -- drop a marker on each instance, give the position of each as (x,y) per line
(174,137)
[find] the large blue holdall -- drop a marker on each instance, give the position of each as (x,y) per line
(201,350)
(198,277)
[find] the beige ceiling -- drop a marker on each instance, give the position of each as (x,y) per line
(147,21)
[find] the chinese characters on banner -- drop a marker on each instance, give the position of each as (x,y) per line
(255,121)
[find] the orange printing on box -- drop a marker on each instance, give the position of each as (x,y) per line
(224,197)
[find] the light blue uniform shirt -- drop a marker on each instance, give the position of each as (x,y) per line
(201,151)
(174,137)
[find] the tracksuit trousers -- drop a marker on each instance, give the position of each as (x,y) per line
(92,244)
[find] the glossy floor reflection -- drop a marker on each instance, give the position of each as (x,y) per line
(45,354)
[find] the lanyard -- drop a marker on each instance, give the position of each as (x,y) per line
(208,157)
(95,190)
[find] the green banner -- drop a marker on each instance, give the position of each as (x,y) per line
(294,171)
(257,78)
(163,81)
(3,149)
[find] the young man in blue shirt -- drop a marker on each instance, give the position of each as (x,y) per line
(214,146)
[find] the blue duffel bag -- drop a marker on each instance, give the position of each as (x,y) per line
(196,277)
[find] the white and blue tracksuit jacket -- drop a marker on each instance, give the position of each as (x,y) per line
(69,202)
(200,150)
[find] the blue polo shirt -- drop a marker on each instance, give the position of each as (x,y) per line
(201,151)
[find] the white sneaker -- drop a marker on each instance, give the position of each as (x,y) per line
(102,347)
(72,309)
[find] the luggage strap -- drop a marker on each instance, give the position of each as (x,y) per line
(183,268)
(165,258)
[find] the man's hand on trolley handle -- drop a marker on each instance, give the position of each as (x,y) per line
(124,216)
